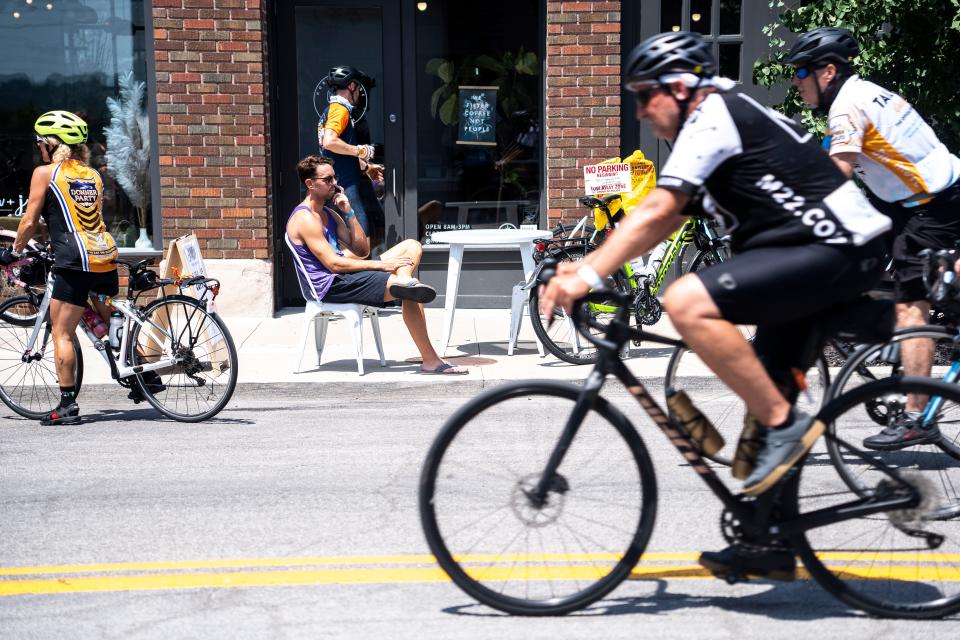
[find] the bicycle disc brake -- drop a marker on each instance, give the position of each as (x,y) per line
(646,307)
(538,513)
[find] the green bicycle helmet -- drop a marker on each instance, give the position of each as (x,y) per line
(66,126)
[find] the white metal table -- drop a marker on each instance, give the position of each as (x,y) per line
(522,239)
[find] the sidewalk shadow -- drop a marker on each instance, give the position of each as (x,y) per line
(803,600)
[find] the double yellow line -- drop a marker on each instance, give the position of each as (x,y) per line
(322,570)
(386,569)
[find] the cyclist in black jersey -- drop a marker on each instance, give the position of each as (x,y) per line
(804,237)
(68,194)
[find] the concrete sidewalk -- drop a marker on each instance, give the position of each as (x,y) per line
(268,351)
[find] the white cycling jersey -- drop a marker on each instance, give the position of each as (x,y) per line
(899,155)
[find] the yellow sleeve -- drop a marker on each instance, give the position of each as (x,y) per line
(337,118)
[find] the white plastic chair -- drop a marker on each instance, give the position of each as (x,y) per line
(519,305)
(319,314)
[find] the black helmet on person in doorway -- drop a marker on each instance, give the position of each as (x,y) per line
(824,44)
(673,51)
(342,75)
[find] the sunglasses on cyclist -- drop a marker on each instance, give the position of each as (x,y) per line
(802,73)
(327,179)
(40,139)
(645,95)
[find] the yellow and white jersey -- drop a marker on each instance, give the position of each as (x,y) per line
(900,157)
(72,211)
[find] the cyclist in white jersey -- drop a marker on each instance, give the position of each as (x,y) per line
(910,175)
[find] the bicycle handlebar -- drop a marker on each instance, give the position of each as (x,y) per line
(582,319)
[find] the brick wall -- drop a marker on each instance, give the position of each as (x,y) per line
(212,124)
(583,97)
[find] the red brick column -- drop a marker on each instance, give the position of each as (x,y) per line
(212,115)
(583,97)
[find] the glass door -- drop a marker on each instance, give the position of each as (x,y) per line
(312,37)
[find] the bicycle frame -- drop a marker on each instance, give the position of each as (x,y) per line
(117,371)
(756,517)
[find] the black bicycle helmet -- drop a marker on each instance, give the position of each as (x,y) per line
(669,52)
(342,75)
(824,44)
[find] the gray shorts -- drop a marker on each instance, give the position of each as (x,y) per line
(361,287)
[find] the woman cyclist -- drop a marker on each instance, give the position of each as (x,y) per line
(68,194)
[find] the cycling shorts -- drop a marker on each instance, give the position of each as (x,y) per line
(785,291)
(74,286)
(935,225)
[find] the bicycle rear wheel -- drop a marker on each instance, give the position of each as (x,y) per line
(878,361)
(687,372)
(487,532)
(30,388)
(204,375)
(903,563)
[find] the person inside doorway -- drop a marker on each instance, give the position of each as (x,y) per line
(329,248)
(341,138)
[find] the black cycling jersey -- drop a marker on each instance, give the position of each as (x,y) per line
(770,179)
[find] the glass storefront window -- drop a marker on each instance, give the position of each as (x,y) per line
(72,55)
(479,97)
(730,12)
(700,16)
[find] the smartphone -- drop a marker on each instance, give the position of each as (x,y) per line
(339,189)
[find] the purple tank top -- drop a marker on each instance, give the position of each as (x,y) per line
(315,279)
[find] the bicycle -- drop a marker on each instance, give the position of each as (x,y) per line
(883,359)
(538,498)
(178,339)
(560,338)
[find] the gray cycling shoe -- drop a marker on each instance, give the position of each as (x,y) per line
(781,449)
(906,431)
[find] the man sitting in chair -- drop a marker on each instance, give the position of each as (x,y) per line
(329,249)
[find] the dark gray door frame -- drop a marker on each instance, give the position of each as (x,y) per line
(287,191)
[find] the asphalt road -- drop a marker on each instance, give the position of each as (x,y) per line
(294,514)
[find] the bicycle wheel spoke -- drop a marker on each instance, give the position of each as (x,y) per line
(30,388)
(904,562)
(551,551)
(202,377)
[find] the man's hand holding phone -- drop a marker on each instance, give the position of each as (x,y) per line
(340,200)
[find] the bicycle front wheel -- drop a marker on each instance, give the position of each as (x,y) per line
(202,373)
(902,563)
(30,388)
(505,548)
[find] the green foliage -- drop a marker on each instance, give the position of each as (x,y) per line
(504,73)
(908,46)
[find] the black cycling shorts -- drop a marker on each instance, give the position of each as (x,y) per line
(360,287)
(935,225)
(785,290)
(73,286)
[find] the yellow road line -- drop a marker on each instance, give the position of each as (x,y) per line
(190,574)
(242,563)
(402,575)
(150,582)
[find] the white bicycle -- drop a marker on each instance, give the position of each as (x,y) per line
(174,350)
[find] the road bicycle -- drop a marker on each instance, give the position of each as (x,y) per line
(561,339)
(174,351)
(883,359)
(539,498)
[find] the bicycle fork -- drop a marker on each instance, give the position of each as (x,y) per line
(550,480)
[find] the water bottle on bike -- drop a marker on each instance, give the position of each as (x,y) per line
(94,322)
